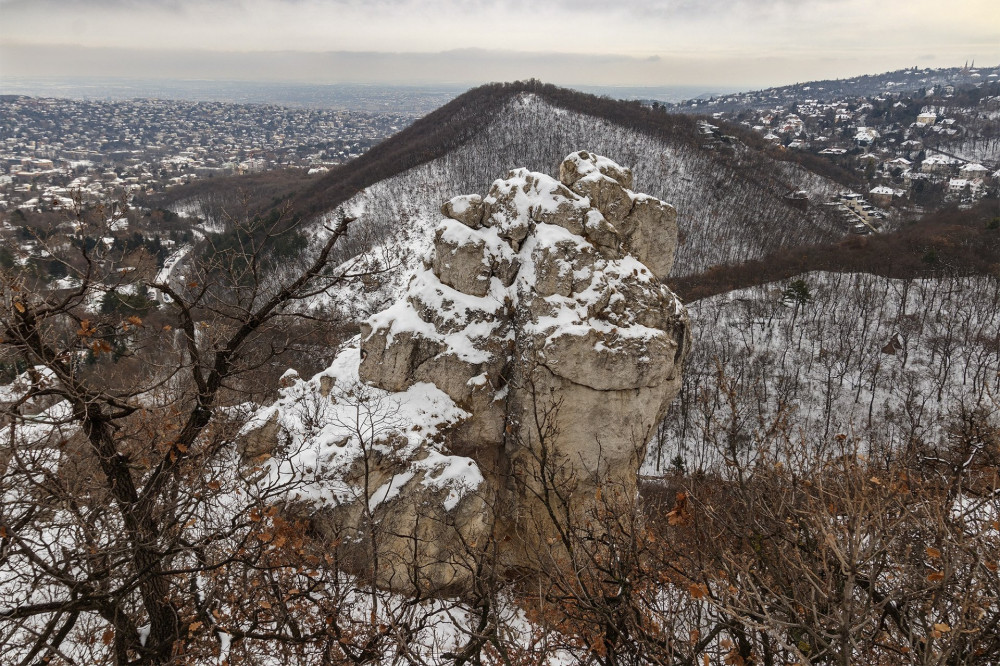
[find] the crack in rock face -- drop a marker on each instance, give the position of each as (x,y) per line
(542,313)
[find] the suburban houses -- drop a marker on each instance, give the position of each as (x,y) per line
(917,137)
(52,148)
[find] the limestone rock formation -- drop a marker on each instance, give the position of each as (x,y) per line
(538,329)
(543,297)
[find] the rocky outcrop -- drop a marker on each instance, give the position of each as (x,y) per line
(536,349)
(542,314)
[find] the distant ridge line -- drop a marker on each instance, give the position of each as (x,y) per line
(447,128)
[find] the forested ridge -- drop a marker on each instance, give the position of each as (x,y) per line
(946,243)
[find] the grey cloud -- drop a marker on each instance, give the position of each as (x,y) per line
(38,6)
(457,66)
(465,67)
(196,4)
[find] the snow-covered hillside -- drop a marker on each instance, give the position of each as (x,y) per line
(730,206)
(893,363)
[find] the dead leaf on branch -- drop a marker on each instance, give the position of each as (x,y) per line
(698,590)
(679,515)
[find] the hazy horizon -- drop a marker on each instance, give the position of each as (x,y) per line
(716,44)
(409,97)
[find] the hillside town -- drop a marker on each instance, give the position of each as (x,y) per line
(51,148)
(924,137)
(62,157)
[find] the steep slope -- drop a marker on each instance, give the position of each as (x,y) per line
(951,242)
(729,198)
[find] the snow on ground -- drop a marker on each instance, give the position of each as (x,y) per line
(876,358)
(166,274)
(888,361)
(324,436)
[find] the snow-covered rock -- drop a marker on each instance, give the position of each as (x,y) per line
(542,310)
(423,438)
(351,452)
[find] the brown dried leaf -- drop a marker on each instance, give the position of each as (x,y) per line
(679,515)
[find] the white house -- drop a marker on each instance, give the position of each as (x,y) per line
(865,136)
(938,163)
(882,195)
(971,171)
(959,185)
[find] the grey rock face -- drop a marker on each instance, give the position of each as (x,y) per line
(459,259)
(543,296)
(650,230)
(466,209)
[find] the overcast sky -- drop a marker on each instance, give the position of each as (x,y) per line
(732,43)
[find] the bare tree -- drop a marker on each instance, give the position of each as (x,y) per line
(128,519)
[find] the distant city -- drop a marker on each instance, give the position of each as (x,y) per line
(91,138)
(346,97)
(917,138)
(53,148)
(353,97)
